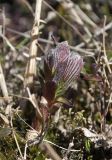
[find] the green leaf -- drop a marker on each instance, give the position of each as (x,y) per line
(60,90)
(63,100)
(87,145)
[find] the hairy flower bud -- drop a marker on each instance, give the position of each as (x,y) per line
(65,65)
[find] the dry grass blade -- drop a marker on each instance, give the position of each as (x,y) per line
(104,48)
(3,83)
(66,21)
(106,61)
(14,135)
(31,66)
(72,150)
(101,30)
(46,147)
(28,5)
(4,25)
(70,9)
(96,34)
(84,17)
(4,118)
(76,14)
(33,101)
(8,42)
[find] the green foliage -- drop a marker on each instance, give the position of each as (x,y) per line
(87,145)
(35,154)
(79,119)
(8,147)
(4,132)
(60,90)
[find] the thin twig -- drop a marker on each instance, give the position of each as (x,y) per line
(13,132)
(72,150)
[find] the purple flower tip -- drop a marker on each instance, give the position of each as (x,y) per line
(67,65)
